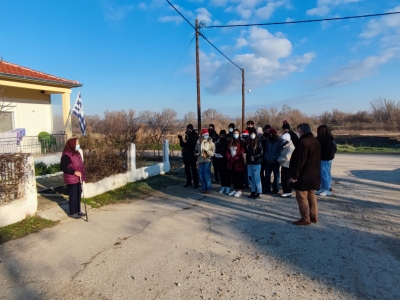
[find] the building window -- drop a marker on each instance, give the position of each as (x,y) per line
(6,121)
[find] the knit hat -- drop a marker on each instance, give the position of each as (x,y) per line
(285,125)
(232,126)
(286,137)
(204,131)
(245,132)
(259,130)
(273,131)
(190,126)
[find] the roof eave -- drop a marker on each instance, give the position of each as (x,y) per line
(40,80)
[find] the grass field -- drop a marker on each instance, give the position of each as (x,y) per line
(367,150)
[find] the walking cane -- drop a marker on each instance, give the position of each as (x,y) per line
(84,200)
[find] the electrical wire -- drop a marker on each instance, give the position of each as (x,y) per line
(181,14)
(162,90)
(303,21)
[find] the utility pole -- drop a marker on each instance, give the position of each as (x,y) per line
(198,78)
(243,99)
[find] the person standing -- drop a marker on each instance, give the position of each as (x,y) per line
(328,150)
(284,160)
(244,138)
(74,175)
(188,144)
(293,135)
(221,162)
(250,125)
(272,152)
(235,163)
(254,158)
(305,174)
(231,128)
(214,136)
(206,149)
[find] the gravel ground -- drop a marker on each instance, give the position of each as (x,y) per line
(179,244)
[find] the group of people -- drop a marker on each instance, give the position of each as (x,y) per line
(297,161)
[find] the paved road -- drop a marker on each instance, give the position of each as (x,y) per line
(179,244)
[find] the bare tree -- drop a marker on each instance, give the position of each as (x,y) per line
(5,106)
(384,110)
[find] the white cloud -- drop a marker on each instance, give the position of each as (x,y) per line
(142,6)
(204,15)
(357,70)
(268,60)
(384,25)
(267,11)
(325,6)
(176,18)
(114,12)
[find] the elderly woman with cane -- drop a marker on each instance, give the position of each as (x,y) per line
(74,175)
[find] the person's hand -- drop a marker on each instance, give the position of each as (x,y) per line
(252,158)
(197,165)
(77,173)
(292,180)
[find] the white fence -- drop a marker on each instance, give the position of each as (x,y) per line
(119,180)
(19,209)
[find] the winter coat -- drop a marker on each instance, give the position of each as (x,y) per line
(273,150)
(188,146)
(75,164)
(213,135)
(256,153)
(328,148)
(220,148)
(294,137)
(207,150)
(286,154)
(305,164)
(237,162)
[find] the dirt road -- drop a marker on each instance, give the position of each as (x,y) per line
(179,244)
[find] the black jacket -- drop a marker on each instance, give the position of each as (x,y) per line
(328,148)
(256,153)
(220,147)
(188,146)
(295,139)
(213,135)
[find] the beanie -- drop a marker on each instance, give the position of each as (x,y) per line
(273,131)
(259,130)
(286,137)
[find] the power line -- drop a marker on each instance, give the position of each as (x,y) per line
(303,21)
(172,73)
(202,34)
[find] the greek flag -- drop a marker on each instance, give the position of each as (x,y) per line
(78,111)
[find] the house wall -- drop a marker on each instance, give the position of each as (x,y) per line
(32,110)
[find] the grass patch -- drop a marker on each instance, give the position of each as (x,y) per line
(137,189)
(27,226)
(367,150)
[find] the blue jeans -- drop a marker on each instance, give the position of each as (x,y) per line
(253,172)
(204,174)
(272,168)
(326,177)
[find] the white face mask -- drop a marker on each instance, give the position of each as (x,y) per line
(230,129)
(235,135)
(253,136)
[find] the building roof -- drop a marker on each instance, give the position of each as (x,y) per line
(11,71)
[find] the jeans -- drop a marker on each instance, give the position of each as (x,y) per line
(326,177)
(272,168)
(253,172)
(204,174)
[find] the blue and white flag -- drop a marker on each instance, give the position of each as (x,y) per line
(78,111)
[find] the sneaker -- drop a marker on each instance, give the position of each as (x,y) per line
(251,195)
(75,216)
(237,194)
(232,193)
(227,190)
(287,195)
(222,190)
(258,195)
(81,214)
(325,193)
(187,184)
(319,191)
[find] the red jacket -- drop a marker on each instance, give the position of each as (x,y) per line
(236,163)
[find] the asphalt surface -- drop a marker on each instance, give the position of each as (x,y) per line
(179,244)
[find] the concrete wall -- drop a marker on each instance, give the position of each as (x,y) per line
(119,180)
(21,208)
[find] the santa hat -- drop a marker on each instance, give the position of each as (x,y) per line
(285,125)
(245,132)
(286,137)
(204,131)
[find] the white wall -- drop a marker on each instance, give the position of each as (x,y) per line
(21,208)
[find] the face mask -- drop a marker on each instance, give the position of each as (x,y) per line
(77,147)
(230,129)
(206,136)
(244,137)
(235,135)
(253,136)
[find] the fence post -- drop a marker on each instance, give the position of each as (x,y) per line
(166,151)
(132,157)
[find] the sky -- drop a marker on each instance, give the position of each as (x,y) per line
(141,54)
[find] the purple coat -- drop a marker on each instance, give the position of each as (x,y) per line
(75,164)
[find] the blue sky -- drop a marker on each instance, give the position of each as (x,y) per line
(125,52)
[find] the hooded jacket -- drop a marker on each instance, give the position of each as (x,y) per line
(286,154)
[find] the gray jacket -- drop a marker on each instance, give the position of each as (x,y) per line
(286,154)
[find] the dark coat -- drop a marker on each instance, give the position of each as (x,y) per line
(273,151)
(188,146)
(237,162)
(328,148)
(213,135)
(256,153)
(305,164)
(295,139)
(220,147)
